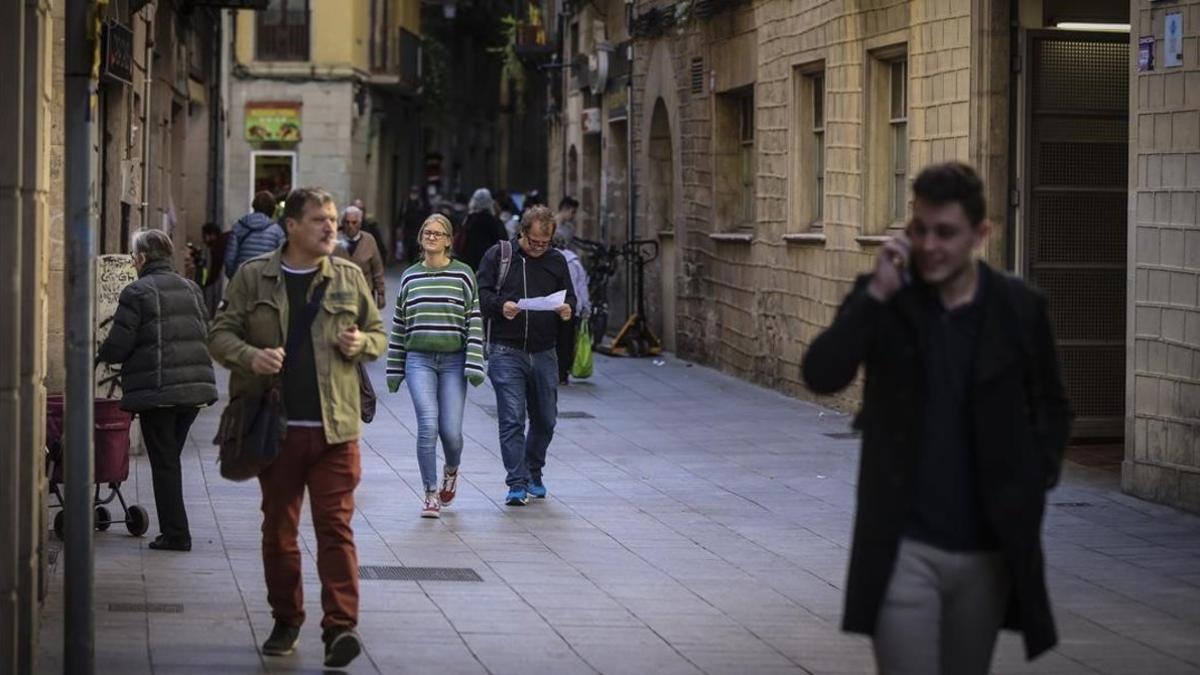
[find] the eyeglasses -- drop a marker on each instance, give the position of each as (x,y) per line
(536,243)
(430,234)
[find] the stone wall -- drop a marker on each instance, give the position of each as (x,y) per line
(1162,458)
(332,152)
(751,300)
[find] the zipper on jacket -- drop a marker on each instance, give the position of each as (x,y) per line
(525,293)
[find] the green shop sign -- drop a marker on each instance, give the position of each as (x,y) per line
(273,122)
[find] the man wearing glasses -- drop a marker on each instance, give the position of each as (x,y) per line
(522,355)
(963,424)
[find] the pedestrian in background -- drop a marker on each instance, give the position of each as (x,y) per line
(254,234)
(412,215)
(325,305)
(371,226)
(215,242)
(522,355)
(158,336)
(964,421)
(436,347)
(568,330)
(568,208)
(480,231)
(362,249)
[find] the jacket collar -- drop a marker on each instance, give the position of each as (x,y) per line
(996,349)
(274,266)
(155,267)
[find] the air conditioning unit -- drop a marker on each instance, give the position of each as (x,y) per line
(591,121)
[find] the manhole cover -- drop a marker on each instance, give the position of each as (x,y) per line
(844,435)
(399,573)
(145,607)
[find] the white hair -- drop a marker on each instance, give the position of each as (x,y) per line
(351,209)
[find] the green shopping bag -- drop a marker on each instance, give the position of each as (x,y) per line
(582,366)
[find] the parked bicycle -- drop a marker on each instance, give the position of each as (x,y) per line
(602,262)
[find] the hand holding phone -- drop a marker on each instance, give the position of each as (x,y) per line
(891,269)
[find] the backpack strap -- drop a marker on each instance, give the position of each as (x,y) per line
(506,256)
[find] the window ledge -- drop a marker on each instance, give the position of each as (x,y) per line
(873,240)
(732,237)
(808,238)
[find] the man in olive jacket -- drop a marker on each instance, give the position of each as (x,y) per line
(963,422)
(263,312)
(158,335)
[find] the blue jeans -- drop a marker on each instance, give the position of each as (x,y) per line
(524,381)
(437,383)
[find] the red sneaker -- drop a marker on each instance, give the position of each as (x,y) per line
(449,487)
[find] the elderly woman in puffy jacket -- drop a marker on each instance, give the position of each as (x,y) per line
(159,335)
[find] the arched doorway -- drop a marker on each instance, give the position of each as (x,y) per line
(660,222)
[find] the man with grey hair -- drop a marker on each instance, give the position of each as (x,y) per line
(362,248)
(158,334)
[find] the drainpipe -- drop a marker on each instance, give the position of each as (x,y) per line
(79,637)
(147,123)
(631,214)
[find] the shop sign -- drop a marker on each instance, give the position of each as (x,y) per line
(117,50)
(273,122)
(615,103)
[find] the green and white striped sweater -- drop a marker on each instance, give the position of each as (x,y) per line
(437,310)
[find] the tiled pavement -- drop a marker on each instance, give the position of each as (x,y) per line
(697,524)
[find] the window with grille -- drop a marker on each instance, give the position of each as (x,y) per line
(746,154)
(807,179)
(735,163)
(886,141)
(898,121)
(282,31)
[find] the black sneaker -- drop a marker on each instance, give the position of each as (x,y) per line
(164,543)
(342,645)
(282,641)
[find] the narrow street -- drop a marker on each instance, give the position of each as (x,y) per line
(695,524)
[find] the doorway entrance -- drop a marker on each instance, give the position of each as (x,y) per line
(273,171)
(1077,166)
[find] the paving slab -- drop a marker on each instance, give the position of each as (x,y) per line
(696,524)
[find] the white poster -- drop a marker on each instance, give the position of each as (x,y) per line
(113,273)
(1173,42)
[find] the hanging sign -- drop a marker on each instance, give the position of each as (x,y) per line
(273,121)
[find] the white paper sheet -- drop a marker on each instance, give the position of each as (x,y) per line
(546,303)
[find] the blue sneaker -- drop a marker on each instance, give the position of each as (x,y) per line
(517,496)
(537,488)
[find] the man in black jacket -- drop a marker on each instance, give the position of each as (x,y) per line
(159,334)
(522,355)
(964,421)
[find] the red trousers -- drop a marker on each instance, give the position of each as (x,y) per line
(330,472)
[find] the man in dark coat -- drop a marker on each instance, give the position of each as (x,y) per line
(159,335)
(964,421)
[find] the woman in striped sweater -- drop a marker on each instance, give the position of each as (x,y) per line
(437,347)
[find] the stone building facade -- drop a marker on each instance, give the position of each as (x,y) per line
(774,143)
(1162,459)
(322,93)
